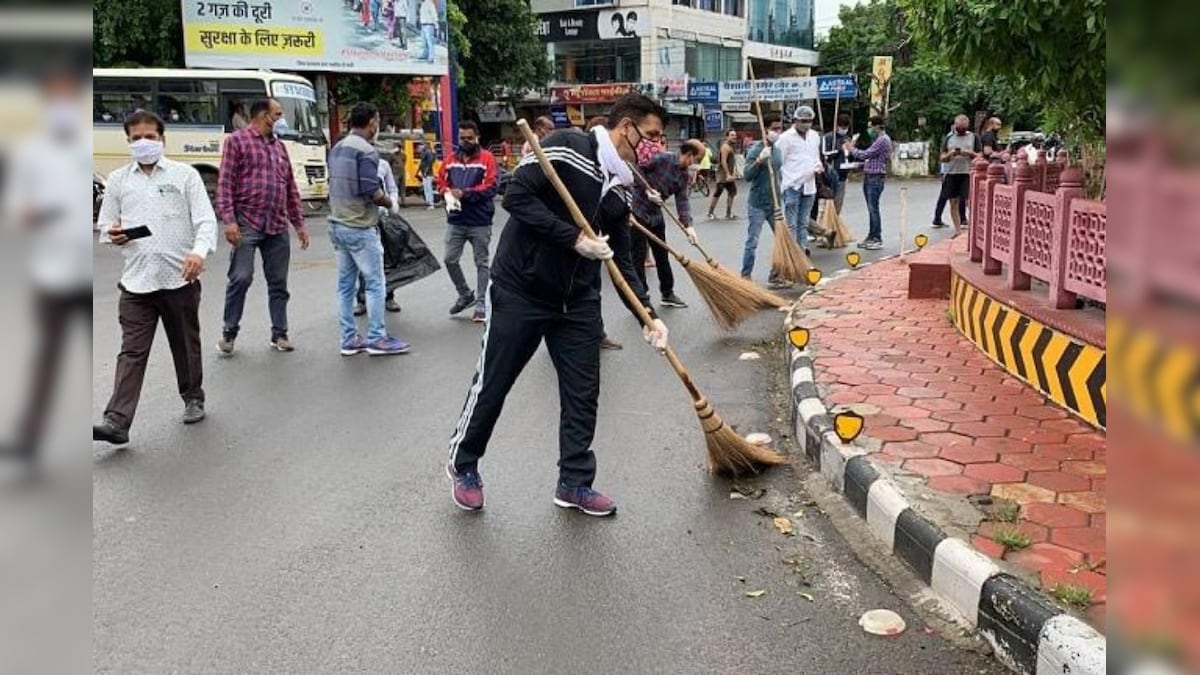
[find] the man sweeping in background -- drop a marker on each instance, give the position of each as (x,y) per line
(546,286)
(667,175)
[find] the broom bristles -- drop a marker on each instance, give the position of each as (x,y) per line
(730,299)
(788,261)
(729,453)
(835,226)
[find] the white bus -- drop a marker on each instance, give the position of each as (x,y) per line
(200,108)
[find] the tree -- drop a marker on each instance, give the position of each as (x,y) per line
(137,32)
(929,90)
(1054,49)
(504,56)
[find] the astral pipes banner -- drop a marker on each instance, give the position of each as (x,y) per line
(782,89)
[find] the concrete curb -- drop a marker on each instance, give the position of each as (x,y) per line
(1028,632)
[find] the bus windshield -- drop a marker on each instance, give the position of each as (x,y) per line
(299,108)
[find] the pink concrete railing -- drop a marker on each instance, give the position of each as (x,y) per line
(1028,233)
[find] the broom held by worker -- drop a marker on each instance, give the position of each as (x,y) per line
(545,286)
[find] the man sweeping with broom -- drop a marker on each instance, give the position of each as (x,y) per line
(545,285)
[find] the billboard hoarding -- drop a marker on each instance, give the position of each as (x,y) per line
(318,35)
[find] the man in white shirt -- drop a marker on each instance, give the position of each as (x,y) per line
(161,278)
(59,253)
(801,150)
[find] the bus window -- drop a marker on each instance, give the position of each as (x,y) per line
(114,99)
(186,101)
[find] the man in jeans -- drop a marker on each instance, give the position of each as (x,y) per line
(425,171)
(875,164)
(257,200)
(801,150)
(355,195)
(760,207)
(468,179)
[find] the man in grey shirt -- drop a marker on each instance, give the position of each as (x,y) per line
(959,148)
(355,195)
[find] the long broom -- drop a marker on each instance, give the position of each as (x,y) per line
(831,220)
(727,451)
(762,298)
(727,297)
(788,261)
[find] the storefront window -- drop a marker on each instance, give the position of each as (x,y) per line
(787,23)
(713,62)
(597,61)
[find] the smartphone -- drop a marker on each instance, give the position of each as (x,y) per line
(136,232)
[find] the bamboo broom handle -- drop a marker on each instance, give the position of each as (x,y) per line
(613,270)
(636,172)
(766,146)
(683,260)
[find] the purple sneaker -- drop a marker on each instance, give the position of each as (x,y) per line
(387,346)
(585,499)
(355,345)
(467,488)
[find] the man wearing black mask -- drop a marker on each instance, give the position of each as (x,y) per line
(468,181)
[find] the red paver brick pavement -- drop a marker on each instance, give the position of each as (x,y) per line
(948,415)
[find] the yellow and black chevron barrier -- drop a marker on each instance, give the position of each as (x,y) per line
(1158,378)
(1071,373)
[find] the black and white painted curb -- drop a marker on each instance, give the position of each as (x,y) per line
(1028,632)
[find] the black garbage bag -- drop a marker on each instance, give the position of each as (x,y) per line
(406,258)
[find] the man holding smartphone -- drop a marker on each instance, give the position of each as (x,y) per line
(958,150)
(158,212)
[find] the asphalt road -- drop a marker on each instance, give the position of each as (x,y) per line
(306,525)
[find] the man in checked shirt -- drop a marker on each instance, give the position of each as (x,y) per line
(257,200)
(667,174)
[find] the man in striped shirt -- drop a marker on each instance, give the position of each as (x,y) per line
(875,165)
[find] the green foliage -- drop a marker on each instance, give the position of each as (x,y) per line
(503,56)
(923,83)
(388,93)
(1073,595)
(1011,537)
(1054,48)
(137,33)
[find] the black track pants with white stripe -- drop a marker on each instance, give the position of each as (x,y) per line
(515,327)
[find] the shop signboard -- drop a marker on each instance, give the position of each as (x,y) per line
(605,24)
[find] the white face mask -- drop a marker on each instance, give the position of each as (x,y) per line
(280,127)
(843,130)
(772,135)
(146,151)
(63,117)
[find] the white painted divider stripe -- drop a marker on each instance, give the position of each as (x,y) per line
(1068,645)
(884,504)
(958,575)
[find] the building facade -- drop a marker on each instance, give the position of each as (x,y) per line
(601,50)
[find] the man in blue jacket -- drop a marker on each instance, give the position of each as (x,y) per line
(468,181)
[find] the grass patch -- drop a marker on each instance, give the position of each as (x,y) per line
(1012,538)
(1007,512)
(1073,595)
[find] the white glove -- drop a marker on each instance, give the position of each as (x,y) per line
(452,204)
(656,334)
(395,209)
(692,237)
(654,196)
(593,249)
